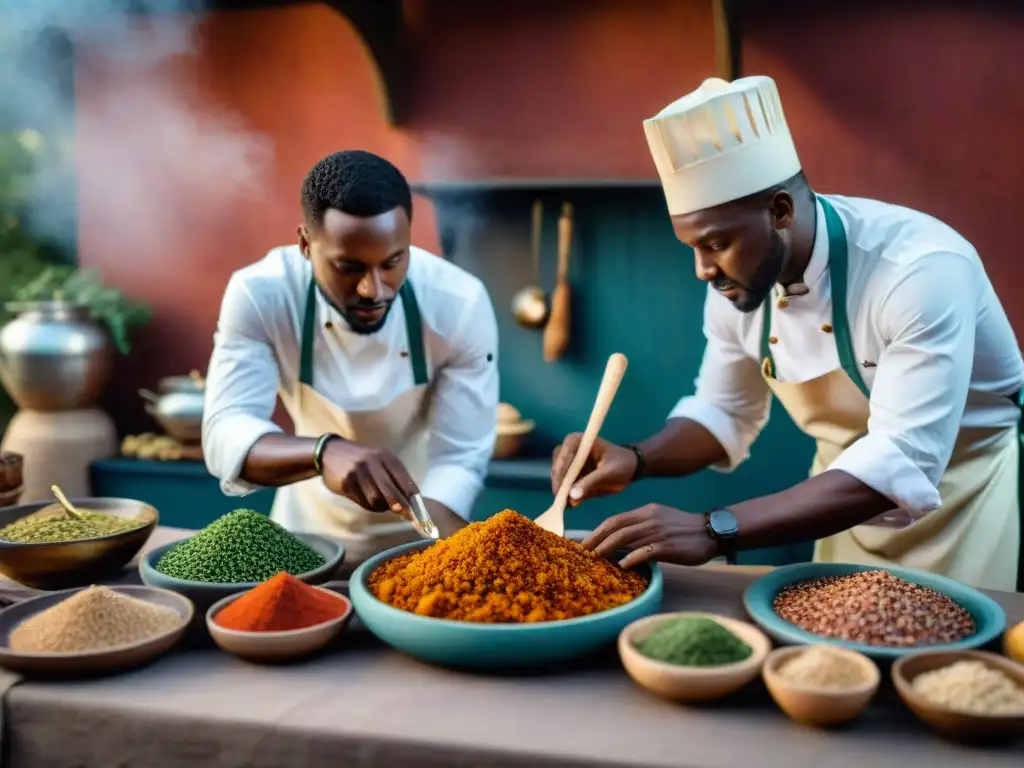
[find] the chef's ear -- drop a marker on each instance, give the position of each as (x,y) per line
(303,234)
(783,209)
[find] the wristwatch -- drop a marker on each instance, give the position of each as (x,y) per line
(723,527)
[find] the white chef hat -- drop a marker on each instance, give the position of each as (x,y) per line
(720,143)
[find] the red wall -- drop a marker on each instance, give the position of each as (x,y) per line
(915,106)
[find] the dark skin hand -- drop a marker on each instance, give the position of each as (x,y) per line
(822,506)
(371,477)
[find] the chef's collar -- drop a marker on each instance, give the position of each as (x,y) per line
(815,270)
(326,313)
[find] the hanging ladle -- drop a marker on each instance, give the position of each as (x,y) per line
(530,304)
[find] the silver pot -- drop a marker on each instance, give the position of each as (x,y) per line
(53,357)
(194,382)
(179,413)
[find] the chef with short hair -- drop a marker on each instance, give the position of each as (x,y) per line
(874,326)
(384,356)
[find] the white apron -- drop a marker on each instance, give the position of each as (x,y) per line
(975,536)
(400,427)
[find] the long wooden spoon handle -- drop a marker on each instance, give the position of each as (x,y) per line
(613,373)
(68,506)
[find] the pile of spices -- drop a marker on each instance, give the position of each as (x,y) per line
(61,526)
(973,687)
(875,608)
(694,641)
(506,569)
(823,667)
(94,619)
(242,546)
(280,604)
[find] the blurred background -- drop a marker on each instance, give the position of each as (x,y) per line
(149,148)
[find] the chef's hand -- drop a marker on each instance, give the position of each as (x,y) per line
(654,532)
(608,470)
(371,477)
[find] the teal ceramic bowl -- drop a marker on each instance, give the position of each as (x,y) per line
(989,617)
(204,594)
(468,645)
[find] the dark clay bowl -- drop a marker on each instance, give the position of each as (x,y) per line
(67,564)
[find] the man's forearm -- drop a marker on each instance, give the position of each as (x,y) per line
(822,506)
(680,449)
(277,460)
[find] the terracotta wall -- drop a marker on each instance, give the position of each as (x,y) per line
(917,104)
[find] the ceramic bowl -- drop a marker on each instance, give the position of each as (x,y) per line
(66,564)
(90,663)
(276,647)
(959,726)
(820,706)
(691,684)
(204,594)
(464,644)
(989,617)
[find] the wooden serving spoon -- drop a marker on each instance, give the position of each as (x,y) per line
(554,518)
(70,508)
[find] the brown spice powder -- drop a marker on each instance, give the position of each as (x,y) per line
(506,569)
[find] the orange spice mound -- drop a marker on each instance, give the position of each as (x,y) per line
(506,569)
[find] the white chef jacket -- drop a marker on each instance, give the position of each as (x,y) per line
(256,351)
(935,349)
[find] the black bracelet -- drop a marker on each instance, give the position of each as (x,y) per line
(318,451)
(641,465)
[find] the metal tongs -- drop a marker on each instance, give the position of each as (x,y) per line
(420,518)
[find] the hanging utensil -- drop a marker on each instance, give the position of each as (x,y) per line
(554,518)
(530,304)
(556,333)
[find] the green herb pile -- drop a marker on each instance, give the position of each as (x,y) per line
(242,546)
(692,641)
(61,527)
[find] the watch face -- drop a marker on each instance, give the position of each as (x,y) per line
(723,523)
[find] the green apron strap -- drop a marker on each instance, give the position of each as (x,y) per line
(413,328)
(766,333)
(838,265)
(308,336)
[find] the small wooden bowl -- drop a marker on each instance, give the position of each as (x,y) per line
(820,707)
(955,725)
(510,439)
(691,684)
(276,647)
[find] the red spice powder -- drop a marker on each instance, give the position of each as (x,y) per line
(279,604)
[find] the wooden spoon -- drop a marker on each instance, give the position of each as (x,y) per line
(554,518)
(556,332)
(68,506)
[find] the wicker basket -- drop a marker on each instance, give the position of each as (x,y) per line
(511,438)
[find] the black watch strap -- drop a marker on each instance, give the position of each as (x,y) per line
(722,526)
(641,465)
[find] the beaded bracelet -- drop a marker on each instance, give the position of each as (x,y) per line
(641,465)
(318,451)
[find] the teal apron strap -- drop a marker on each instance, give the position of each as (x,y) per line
(838,264)
(413,328)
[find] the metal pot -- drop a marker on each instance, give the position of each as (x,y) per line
(179,413)
(53,357)
(194,382)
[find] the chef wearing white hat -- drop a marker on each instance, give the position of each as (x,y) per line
(874,326)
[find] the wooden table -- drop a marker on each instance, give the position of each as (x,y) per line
(367,705)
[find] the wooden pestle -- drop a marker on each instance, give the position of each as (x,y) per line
(556,332)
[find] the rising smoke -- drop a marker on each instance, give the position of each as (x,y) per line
(205,157)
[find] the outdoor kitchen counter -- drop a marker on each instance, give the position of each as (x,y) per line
(366,705)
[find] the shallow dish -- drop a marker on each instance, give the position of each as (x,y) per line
(989,617)
(90,663)
(691,684)
(960,726)
(204,594)
(66,564)
(465,644)
(276,647)
(820,706)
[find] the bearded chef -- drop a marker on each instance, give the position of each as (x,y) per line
(874,326)
(383,355)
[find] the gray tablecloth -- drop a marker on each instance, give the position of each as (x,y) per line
(366,705)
